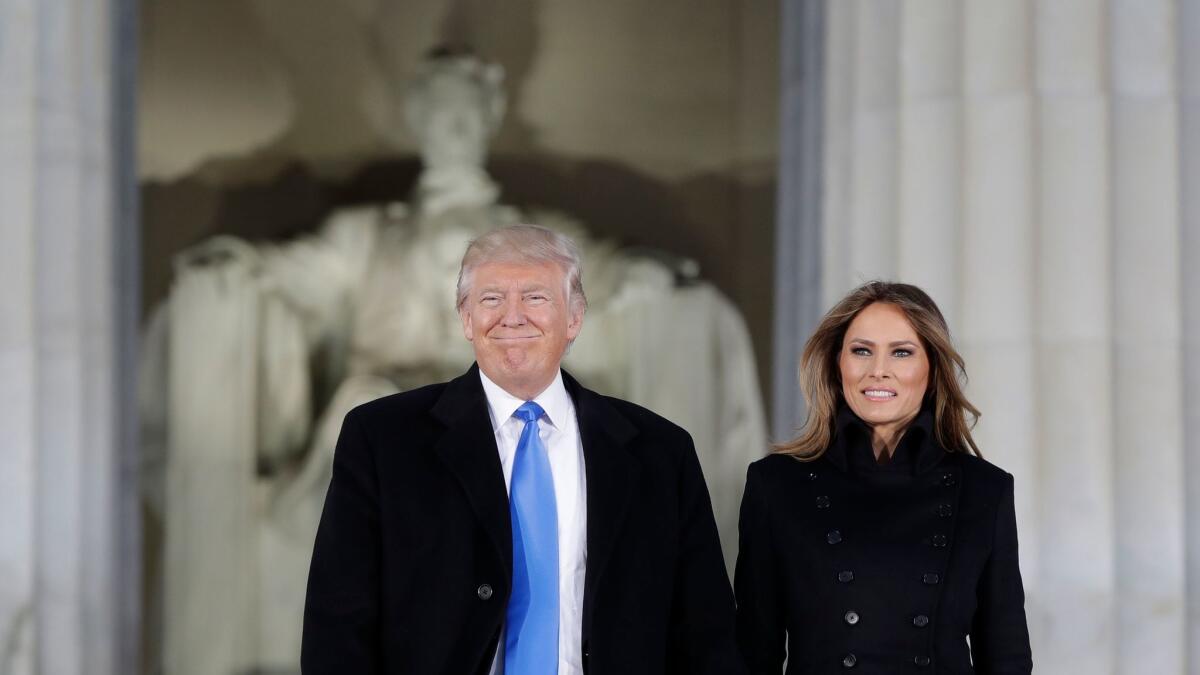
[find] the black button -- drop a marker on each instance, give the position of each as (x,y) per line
(931,579)
(944,510)
(920,621)
(849,661)
(948,479)
(852,617)
(484,591)
(812,475)
(939,541)
(834,537)
(845,576)
(822,502)
(921,661)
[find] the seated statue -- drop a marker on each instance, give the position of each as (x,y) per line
(260,350)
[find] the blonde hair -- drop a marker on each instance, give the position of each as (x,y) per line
(820,375)
(529,244)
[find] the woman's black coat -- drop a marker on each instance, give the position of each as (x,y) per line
(880,569)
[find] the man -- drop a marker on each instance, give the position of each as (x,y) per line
(511,521)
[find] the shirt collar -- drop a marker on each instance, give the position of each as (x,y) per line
(554,400)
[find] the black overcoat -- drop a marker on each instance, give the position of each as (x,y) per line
(412,565)
(880,569)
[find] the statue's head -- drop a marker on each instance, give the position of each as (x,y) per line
(453,106)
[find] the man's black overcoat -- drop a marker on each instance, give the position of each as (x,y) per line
(412,565)
(880,569)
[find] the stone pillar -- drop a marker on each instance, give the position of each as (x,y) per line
(798,302)
(1074,344)
(1147,410)
(1187,24)
(1033,164)
(65,299)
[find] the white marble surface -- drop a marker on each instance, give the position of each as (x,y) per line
(1188,24)
(1034,166)
(57,347)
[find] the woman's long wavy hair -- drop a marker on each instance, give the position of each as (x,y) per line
(821,380)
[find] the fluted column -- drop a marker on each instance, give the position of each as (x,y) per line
(1035,165)
(63,260)
(996,263)
(1074,337)
(18,345)
(931,149)
(798,301)
(1147,407)
(1187,25)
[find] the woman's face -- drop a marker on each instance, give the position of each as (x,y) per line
(884,368)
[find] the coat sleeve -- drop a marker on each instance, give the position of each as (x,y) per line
(999,634)
(702,613)
(760,626)
(341,610)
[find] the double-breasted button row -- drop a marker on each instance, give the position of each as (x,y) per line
(850,660)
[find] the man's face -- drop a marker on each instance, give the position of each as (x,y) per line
(519,319)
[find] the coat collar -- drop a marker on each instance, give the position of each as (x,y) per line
(612,473)
(850,450)
(469,449)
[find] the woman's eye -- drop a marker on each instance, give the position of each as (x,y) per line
(902,353)
(860,351)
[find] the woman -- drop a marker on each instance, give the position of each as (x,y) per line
(879,540)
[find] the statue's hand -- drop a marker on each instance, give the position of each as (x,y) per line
(221,251)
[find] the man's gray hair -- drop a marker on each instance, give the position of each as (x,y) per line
(525,244)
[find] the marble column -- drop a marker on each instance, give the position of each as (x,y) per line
(65,299)
(1187,28)
(798,301)
(1034,165)
(1074,344)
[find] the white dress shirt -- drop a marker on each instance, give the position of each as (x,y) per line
(559,432)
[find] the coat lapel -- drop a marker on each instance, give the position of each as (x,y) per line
(611,474)
(468,448)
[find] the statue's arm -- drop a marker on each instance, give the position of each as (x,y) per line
(288,300)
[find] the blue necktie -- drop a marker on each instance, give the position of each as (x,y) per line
(531,645)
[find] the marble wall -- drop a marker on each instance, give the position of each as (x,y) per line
(1033,165)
